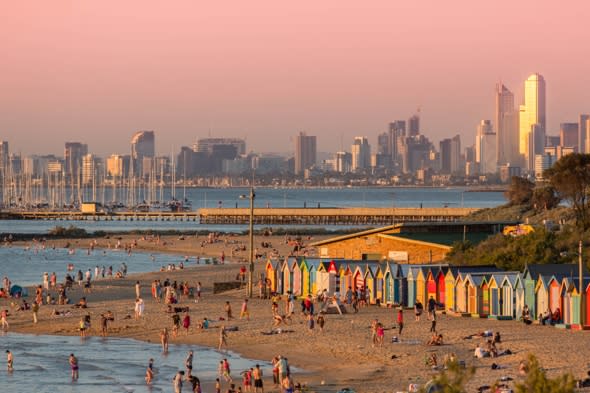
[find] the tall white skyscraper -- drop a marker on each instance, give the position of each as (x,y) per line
(506,131)
(532,118)
(361,153)
(485,148)
(584,138)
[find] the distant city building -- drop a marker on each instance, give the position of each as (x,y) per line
(584,139)
(383,145)
(532,120)
(117,165)
(343,162)
(485,148)
(552,140)
(361,154)
(89,169)
(143,145)
(450,155)
(506,126)
(568,135)
(414,153)
(508,171)
(73,154)
(205,145)
(397,131)
(542,163)
(305,152)
(4,152)
(413,125)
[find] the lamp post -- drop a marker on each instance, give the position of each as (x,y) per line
(251,240)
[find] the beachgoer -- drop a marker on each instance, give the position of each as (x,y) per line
(400,319)
(74,366)
(217,385)
(149,372)
(177,382)
(222,337)
(4,319)
(310,323)
(226,371)
(433,324)
(186,322)
(257,375)
(321,322)
(137,289)
(9,361)
(431,307)
(244,311)
(228,310)
(35,310)
(418,308)
(164,337)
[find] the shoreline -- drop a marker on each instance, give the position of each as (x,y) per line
(341,356)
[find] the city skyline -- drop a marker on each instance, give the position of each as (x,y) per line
(94,72)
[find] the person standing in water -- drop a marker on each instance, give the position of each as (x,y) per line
(164,339)
(74,366)
(149,372)
(9,361)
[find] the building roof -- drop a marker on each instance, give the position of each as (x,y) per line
(553,269)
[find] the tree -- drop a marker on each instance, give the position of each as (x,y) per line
(520,191)
(451,380)
(545,198)
(536,380)
(571,178)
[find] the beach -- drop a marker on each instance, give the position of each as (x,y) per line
(340,356)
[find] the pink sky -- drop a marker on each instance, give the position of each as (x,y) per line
(96,71)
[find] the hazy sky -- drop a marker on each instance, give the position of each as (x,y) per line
(96,71)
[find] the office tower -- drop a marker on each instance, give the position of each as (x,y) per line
(305,152)
(532,118)
(117,165)
(506,130)
(205,145)
(450,155)
(584,139)
(552,140)
(361,154)
(74,151)
(485,148)
(383,145)
(414,153)
(89,169)
(568,135)
(414,125)
(4,152)
(143,145)
(343,162)
(397,130)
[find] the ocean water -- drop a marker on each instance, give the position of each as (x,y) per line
(106,364)
(25,266)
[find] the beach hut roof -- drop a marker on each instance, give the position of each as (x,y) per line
(489,269)
(556,269)
(511,277)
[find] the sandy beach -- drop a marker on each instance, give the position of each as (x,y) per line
(340,356)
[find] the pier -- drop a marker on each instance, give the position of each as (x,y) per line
(332,216)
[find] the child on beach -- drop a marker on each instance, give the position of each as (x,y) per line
(310,323)
(149,372)
(222,337)
(244,312)
(228,310)
(321,322)
(74,366)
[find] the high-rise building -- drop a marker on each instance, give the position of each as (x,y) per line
(532,118)
(485,148)
(397,131)
(361,154)
(305,152)
(343,162)
(414,153)
(74,152)
(414,125)
(117,165)
(383,145)
(568,135)
(89,169)
(4,152)
(143,144)
(450,155)
(205,145)
(506,130)
(584,139)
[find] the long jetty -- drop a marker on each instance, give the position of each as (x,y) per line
(261,216)
(331,216)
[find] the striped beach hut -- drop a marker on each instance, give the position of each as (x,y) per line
(494,295)
(296,280)
(287,272)
(508,296)
(345,277)
(542,294)
(519,296)
(370,273)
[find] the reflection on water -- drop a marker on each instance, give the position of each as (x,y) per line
(26,266)
(106,365)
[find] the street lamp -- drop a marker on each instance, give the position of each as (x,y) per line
(251,238)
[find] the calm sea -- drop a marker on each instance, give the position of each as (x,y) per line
(25,267)
(106,365)
(271,197)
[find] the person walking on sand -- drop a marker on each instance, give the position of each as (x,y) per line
(137,289)
(222,337)
(400,320)
(164,337)
(35,309)
(9,361)
(227,371)
(244,312)
(74,366)
(257,376)
(186,323)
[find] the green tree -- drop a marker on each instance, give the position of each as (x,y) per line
(545,198)
(520,191)
(571,178)
(536,380)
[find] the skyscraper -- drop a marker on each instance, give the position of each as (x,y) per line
(73,154)
(414,125)
(450,155)
(584,139)
(305,152)
(142,145)
(532,121)
(361,154)
(485,148)
(505,121)
(397,131)
(568,135)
